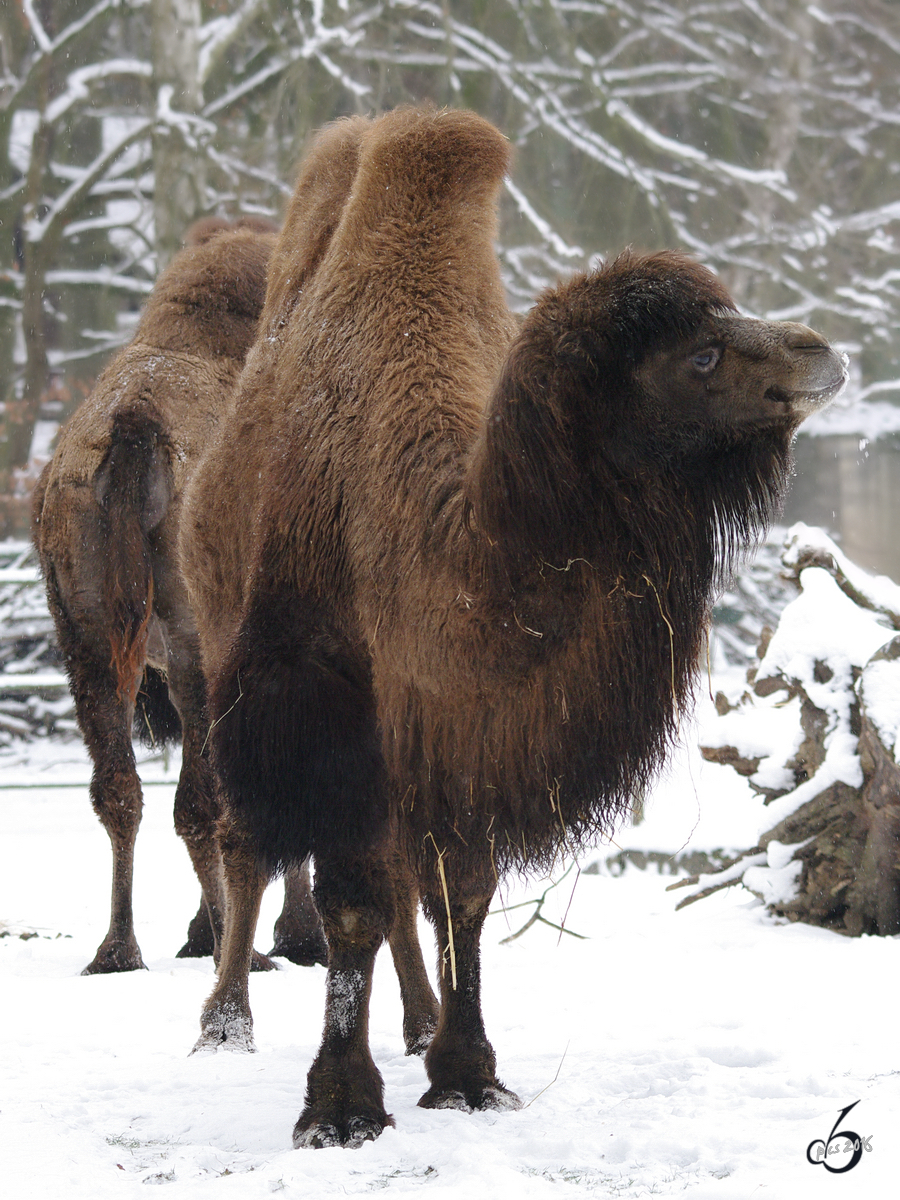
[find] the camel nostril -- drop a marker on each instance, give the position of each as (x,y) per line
(800,339)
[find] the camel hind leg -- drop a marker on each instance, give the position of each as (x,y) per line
(196,809)
(299,936)
(226,1019)
(420,1007)
(105,719)
(200,942)
(158,721)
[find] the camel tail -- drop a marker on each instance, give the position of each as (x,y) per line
(156,720)
(133,489)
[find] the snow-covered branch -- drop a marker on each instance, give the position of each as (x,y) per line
(222,32)
(37,29)
(78,83)
(62,207)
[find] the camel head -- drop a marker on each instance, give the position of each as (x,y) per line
(640,390)
(675,365)
(737,373)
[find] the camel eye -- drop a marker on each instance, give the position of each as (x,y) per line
(706,360)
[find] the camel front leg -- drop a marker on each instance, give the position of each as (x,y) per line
(226,1018)
(460,1061)
(196,814)
(344,1094)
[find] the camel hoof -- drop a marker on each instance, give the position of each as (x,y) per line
(189,950)
(261,962)
(362,1129)
(196,948)
(112,957)
(499,1099)
(210,1043)
(449,1098)
(316,1137)
(200,941)
(310,952)
(492,1098)
(221,1031)
(322,1134)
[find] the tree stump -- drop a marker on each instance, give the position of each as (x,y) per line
(816,734)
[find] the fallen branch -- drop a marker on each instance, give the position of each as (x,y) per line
(536,915)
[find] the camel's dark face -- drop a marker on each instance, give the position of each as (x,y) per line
(737,374)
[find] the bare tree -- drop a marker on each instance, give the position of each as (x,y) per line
(762,134)
(179,158)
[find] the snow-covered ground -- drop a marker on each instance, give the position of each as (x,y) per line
(670,1053)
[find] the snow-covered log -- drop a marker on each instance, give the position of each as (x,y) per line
(817,733)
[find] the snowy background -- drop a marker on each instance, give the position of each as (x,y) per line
(695,1052)
(661,1053)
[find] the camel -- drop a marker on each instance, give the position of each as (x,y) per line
(105,513)
(462,613)
(196,329)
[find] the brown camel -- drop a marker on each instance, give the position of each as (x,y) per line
(105,517)
(105,514)
(467,600)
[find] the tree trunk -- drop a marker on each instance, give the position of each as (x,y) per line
(179,163)
(793,63)
(20,414)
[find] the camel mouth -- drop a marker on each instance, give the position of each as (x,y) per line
(819,390)
(778,396)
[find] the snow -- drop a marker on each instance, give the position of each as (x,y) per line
(694,1053)
(879,590)
(850,414)
(822,617)
(823,643)
(769,731)
(880,688)
(21,136)
(661,1053)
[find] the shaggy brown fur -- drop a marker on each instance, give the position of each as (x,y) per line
(105,516)
(105,512)
(470,593)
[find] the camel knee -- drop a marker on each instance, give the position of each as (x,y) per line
(357,907)
(240,860)
(117,801)
(354,929)
(465,908)
(196,815)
